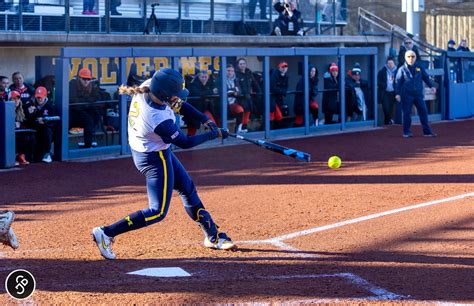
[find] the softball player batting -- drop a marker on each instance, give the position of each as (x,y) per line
(151,129)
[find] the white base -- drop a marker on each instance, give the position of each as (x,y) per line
(161,272)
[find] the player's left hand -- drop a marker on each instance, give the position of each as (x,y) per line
(211,125)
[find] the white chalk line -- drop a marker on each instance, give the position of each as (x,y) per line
(379,292)
(277,240)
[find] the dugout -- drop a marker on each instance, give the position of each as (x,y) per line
(460,75)
(113,66)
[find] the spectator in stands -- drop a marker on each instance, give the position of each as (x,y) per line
(113,8)
(386,89)
(289,21)
(408,45)
(88,7)
(331,9)
(25,140)
(238,105)
(26,91)
(202,95)
(299,98)
(451,44)
(331,98)
(409,89)
(278,91)
(4,90)
(41,117)
(249,88)
(463,46)
(82,113)
(358,98)
(253,6)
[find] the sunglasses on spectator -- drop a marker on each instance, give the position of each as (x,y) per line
(410,56)
(284,66)
(408,42)
(88,80)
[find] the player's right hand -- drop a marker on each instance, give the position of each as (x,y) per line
(398,98)
(224,133)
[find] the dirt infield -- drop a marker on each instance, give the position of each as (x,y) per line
(396,222)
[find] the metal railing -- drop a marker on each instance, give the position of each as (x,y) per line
(172,16)
(382,27)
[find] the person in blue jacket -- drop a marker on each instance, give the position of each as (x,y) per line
(409,89)
(152,129)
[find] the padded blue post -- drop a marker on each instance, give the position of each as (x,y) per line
(7,135)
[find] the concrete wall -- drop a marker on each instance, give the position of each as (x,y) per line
(23,60)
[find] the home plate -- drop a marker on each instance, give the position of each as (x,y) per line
(161,272)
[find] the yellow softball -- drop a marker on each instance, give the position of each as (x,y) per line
(334,162)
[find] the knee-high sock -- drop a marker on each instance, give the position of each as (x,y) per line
(129,223)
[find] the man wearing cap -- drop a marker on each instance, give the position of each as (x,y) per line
(40,117)
(451,44)
(331,98)
(278,90)
(407,46)
(81,114)
(409,88)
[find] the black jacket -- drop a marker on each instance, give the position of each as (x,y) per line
(299,97)
(200,95)
(463,49)
(401,54)
(331,102)
(278,88)
(45,111)
(284,20)
(248,85)
(382,81)
(79,94)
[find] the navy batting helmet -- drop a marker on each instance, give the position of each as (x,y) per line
(167,83)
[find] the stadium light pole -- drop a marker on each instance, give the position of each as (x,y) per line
(413,9)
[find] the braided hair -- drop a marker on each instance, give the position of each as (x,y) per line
(133,90)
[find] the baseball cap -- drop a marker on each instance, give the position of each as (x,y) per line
(167,83)
(283,65)
(451,42)
(85,73)
(14,94)
(333,67)
(41,92)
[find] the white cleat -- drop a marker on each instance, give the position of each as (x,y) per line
(222,243)
(104,243)
(11,239)
(6,220)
